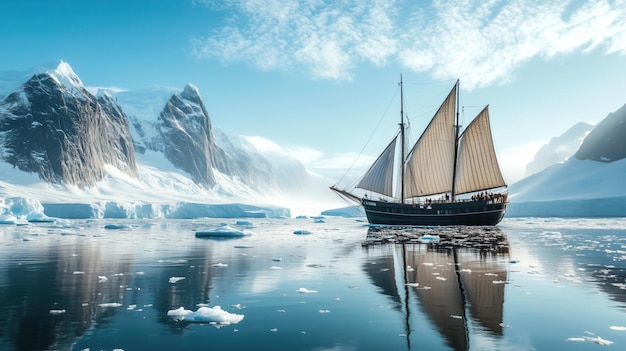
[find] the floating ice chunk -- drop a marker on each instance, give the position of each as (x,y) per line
(499,282)
(8,219)
(598,340)
(176,279)
(237,306)
(276,267)
(274,330)
(173,261)
(244,222)
(576,339)
(220,265)
(427,263)
(618,328)
(441,278)
(116,226)
(306,291)
(427,238)
(413,284)
(223,231)
(456,316)
(102,279)
(131,307)
(55,312)
(210,315)
(78,272)
(324,311)
(110,304)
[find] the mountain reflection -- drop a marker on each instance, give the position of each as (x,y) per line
(460,277)
(50,297)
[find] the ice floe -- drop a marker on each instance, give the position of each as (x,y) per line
(306,291)
(110,304)
(427,238)
(222,231)
(174,280)
(212,315)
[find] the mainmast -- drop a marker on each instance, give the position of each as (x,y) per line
(456,145)
(402,159)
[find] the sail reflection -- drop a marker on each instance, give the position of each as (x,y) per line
(457,281)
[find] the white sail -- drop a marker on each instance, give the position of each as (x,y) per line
(430,165)
(379,178)
(477,165)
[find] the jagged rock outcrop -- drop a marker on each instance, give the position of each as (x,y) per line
(54,127)
(607,141)
(183,132)
(188,143)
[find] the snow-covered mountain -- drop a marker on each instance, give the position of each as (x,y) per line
(591,183)
(53,126)
(559,148)
(148,153)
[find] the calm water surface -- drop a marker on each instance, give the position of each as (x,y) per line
(530,284)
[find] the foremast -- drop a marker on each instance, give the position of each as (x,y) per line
(402,142)
(457,127)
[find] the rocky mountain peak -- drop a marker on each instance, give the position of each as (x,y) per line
(607,141)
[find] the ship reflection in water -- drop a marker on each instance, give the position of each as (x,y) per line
(454,276)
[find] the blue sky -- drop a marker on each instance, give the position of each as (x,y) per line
(315,78)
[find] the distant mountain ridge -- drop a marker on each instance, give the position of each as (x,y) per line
(607,141)
(590,182)
(559,148)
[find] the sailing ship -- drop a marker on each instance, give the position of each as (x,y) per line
(447,178)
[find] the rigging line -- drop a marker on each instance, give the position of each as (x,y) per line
(371,136)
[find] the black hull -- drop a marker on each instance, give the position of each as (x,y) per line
(481,212)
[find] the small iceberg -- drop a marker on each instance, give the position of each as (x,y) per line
(116,226)
(427,238)
(223,231)
(244,222)
(8,219)
(210,315)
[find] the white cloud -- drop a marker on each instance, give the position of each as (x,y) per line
(480,42)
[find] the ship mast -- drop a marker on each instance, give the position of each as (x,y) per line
(456,145)
(402,160)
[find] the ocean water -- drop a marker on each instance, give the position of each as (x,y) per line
(528,284)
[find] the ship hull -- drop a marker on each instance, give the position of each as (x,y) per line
(482,212)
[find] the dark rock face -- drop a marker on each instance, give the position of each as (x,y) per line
(607,141)
(64,133)
(189,143)
(120,152)
(187,137)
